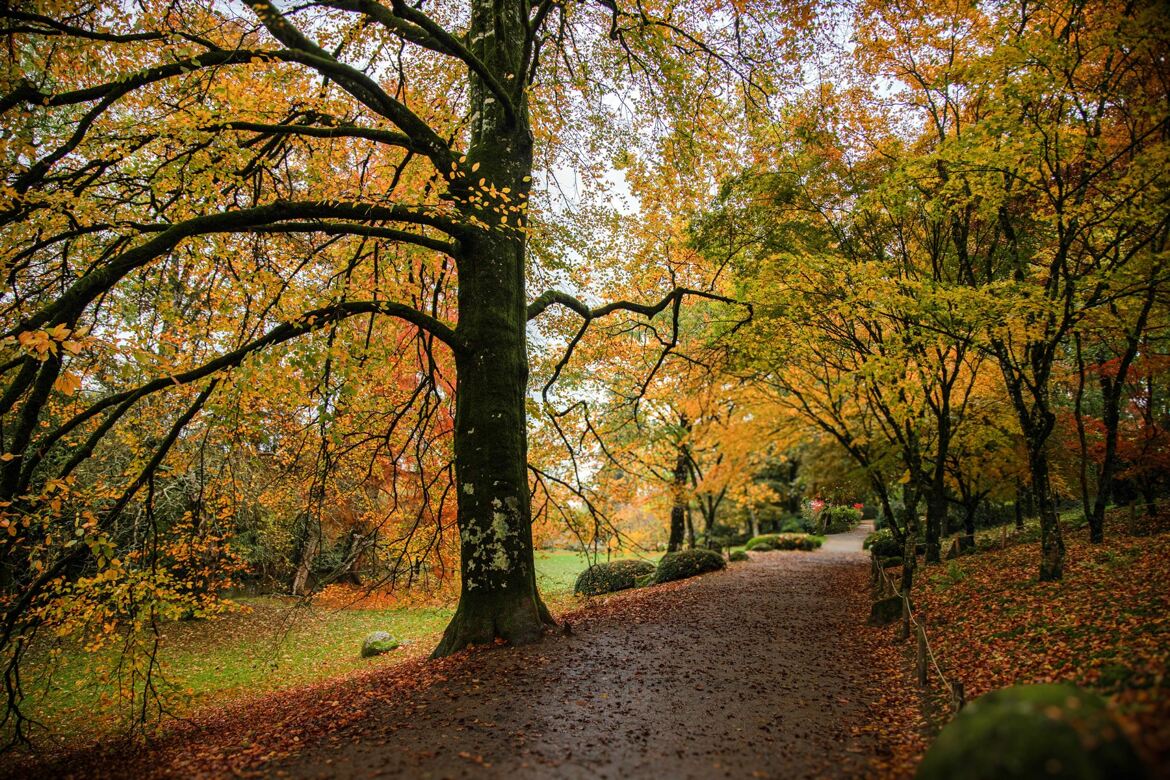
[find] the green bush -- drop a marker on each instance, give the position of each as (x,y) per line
(763,547)
(717,542)
(785,542)
(1030,731)
(740,555)
(837,519)
(882,544)
(610,577)
(795,525)
(892,561)
(688,563)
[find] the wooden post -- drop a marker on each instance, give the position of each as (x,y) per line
(922,656)
(904,632)
(958,697)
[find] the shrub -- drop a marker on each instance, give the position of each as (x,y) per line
(740,555)
(688,563)
(717,542)
(785,542)
(610,577)
(795,525)
(882,544)
(837,519)
(756,541)
(892,561)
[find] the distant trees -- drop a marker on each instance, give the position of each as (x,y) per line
(982,189)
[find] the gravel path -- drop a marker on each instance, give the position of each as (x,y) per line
(737,674)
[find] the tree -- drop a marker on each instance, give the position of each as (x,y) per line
(310,165)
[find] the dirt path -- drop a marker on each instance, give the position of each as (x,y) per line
(737,674)
(764,670)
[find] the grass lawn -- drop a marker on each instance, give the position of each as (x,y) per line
(272,643)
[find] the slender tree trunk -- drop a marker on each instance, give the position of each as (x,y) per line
(754,519)
(678,509)
(307,549)
(970,508)
(936,510)
(1112,389)
(936,499)
(909,548)
(1082,437)
(690,528)
(1051,539)
(883,495)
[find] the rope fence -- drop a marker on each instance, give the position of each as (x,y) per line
(924,652)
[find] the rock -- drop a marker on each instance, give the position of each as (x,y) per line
(378,643)
(885,611)
(1032,731)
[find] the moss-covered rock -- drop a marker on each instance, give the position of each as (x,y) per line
(1032,731)
(611,577)
(740,555)
(378,643)
(688,563)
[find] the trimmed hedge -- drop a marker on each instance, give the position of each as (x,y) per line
(806,542)
(687,563)
(601,578)
(740,555)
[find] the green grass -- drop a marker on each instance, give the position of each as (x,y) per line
(272,644)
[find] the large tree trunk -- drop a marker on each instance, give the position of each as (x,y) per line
(499,598)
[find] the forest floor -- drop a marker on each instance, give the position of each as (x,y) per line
(765,670)
(1104,626)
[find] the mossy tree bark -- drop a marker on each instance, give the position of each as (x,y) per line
(499,597)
